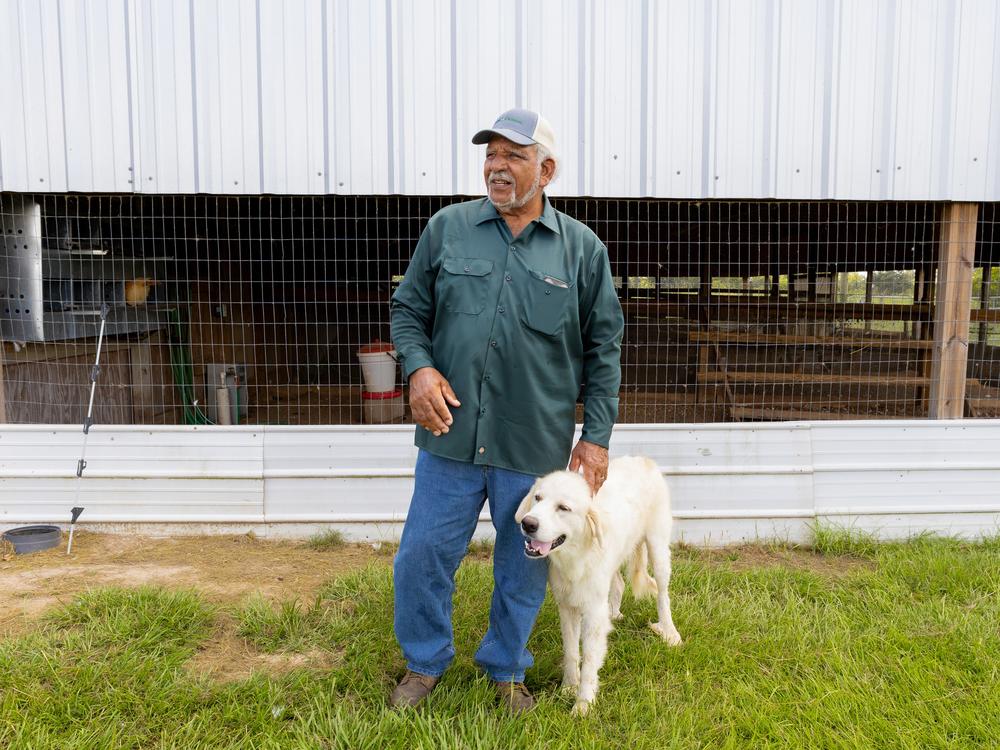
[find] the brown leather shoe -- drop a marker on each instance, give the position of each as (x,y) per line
(412,689)
(515,696)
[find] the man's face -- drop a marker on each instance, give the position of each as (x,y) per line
(512,172)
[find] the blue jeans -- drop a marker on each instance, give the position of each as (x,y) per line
(447,499)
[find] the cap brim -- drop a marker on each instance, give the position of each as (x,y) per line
(485,136)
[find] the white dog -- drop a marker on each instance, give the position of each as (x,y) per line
(588,539)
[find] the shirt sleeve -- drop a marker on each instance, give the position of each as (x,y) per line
(411,310)
(602,325)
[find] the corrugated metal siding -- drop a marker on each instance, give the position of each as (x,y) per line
(731,483)
(847,99)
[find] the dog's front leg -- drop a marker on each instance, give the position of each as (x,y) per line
(596,626)
(569,623)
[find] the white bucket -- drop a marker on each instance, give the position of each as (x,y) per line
(379,369)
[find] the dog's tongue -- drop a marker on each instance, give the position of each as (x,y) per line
(541,548)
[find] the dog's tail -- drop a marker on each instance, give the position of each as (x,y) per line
(643,584)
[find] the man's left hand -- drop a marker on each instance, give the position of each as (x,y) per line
(593,459)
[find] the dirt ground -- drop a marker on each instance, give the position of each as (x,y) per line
(224,569)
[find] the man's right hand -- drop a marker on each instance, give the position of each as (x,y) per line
(430,394)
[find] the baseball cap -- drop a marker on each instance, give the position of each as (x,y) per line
(522,126)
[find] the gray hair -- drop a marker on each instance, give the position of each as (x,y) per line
(543,154)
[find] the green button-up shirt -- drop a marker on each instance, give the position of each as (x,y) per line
(517,326)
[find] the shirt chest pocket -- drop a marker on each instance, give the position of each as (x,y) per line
(546,303)
(464,284)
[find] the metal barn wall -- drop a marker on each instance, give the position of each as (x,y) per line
(846,99)
(731,483)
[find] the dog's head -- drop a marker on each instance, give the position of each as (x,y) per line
(557,510)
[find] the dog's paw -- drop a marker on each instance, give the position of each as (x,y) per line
(569,687)
(616,615)
(670,635)
(581,707)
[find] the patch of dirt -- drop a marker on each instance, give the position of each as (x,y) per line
(224,569)
(226,657)
(749,557)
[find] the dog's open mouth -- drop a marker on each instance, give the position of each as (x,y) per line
(535,548)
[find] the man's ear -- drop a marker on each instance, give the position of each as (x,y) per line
(594,522)
(525,506)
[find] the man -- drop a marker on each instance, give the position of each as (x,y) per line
(507,308)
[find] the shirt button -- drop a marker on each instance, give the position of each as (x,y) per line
(507,277)
(482,450)
(482,412)
(512,247)
(501,309)
(486,377)
(493,344)
(467,269)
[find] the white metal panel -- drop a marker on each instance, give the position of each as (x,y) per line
(925,114)
(971,98)
(163,99)
(865,60)
(679,66)
(96,96)
(151,500)
(849,99)
(32,142)
(731,483)
(796,148)
(227,101)
(612,131)
(358,122)
(741,97)
(293,96)
(132,452)
(422,83)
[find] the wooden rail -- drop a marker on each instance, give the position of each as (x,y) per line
(727,337)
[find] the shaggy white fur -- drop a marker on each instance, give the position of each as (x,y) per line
(588,539)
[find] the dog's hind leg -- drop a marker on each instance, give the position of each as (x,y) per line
(615,599)
(569,623)
(642,583)
(596,626)
(659,552)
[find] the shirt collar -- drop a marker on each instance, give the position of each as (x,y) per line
(488,212)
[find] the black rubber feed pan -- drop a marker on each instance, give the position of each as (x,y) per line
(33,538)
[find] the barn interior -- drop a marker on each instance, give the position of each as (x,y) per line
(252,309)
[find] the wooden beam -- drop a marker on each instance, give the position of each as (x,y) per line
(764,339)
(756,412)
(953,301)
(792,378)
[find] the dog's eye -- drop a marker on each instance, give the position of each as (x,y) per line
(538,498)
(563,508)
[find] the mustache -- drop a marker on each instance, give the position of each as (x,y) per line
(501,174)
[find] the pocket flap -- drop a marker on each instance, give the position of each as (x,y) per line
(468,266)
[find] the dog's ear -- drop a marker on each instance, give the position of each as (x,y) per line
(594,522)
(525,506)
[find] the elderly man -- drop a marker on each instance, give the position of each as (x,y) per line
(506,310)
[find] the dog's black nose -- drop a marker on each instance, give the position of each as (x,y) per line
(529,524)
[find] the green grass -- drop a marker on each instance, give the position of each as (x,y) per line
(323,541)
(852,645)
(288,626)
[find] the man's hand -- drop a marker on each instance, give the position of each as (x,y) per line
(594,461)
(430,395)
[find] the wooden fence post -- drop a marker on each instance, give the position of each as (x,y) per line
(953,300)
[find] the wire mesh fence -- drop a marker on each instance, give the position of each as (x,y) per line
(253,310)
